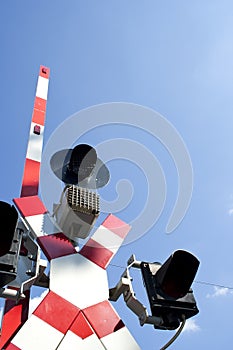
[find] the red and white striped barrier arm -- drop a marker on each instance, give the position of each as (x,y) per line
(16,314)
(31,175)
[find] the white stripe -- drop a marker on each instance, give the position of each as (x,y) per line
(78,280)
(42,224)
(121,339)
(37,335)
(35,144)
(73,342)
(42,87)
(107,238)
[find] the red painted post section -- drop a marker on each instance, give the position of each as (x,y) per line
(14,316)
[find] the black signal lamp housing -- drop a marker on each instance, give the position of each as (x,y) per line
(168,288)
(9,244)
(80,166)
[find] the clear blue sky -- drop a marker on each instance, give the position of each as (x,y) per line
(172,56)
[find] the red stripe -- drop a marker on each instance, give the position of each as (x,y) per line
(81,327)
(44,72)
(103,319)
(30,178)
(57,312)
(96,253)
(12,347)
(29,206)
(38,117)
(40,104)
(14,316)
(55,246)
(117,226)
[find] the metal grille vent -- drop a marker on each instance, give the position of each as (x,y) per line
(83,200)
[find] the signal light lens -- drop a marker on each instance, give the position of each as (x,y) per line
(176,275)
(82,161)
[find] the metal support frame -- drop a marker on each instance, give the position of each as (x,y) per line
(125,287)
(30,268)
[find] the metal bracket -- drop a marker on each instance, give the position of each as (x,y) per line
(42,279)
(125,287)
(30,267)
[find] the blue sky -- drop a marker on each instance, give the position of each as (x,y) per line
(172,56)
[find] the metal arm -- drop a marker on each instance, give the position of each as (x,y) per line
(125,287)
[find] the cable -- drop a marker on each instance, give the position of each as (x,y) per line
(176,335)
(213,284)
(199,282)
(120,267)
